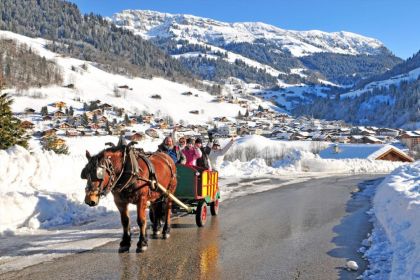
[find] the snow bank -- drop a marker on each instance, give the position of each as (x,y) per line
(395,249)
(42,189)
(291,156)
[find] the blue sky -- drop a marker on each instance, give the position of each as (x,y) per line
(395,23)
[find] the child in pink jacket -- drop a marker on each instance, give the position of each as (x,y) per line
(191,153)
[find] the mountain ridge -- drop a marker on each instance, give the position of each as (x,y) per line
(156,24)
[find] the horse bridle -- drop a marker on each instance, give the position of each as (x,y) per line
(100,170)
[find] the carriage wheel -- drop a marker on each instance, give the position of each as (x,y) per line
(201,214)
(214,207)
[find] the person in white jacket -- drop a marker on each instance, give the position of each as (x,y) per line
(217,154)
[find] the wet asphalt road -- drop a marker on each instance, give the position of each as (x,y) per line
(302,231)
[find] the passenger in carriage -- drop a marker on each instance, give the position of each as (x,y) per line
(192,153)
(181,140)
(217,154)
(173,151)
(203,163)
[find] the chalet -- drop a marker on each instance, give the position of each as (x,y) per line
(125,87)
(163,125)
(226,131)
(47,118)
(243,130)
(387,132)
(101,132)
(27,124)
(147,118)
(94,126)
(411,139)
(49,132)
(72,132)
(133,121)
(371,140)
(152,133)
(360,130)
(59,114)
(97,112)
(59,104)
(361,151)
(322,137)
(103,119)
(300,135)
(29,111)
(105,107)
(58,143)
(356,139)
(340,139)
(65,125)
(135,136)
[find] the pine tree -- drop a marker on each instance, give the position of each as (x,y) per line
(126,119)
(71,111)
(85,119)
(44,111)
(11,133)
(95,119)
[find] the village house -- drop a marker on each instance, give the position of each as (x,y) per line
(362,151)
(65,125)
(226,131)
(29,111)
(60,105)
(411,139)
(49,132)
(105,107)
(72,132)
(59,114)
(27,124)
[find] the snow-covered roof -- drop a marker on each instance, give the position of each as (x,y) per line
(362,151)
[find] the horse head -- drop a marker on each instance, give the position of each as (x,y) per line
(101,173)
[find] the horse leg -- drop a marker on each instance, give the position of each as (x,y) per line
(142,222)
(167,227)
(157,214)
(125,221)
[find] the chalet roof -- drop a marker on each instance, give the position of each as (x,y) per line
(361,151)
(412,133)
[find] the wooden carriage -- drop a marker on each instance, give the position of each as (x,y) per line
(197,189)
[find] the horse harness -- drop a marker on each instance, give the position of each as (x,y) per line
(131,168)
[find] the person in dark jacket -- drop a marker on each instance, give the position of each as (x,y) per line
(173,151)
(203,162)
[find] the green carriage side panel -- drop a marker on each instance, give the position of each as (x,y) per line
(187,182)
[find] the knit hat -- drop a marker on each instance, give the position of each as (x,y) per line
(216,143)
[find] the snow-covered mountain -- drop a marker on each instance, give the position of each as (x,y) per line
(260,53)
(151,24)
(391,99)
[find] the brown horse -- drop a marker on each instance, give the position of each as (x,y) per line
(128,174)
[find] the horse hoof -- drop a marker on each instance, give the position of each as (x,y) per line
(123,249)
(166,236)
(141,249)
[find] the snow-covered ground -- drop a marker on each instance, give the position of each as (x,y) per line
(44,193)
(95,84)
(394,246)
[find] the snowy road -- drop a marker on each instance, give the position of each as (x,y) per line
(307,230)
